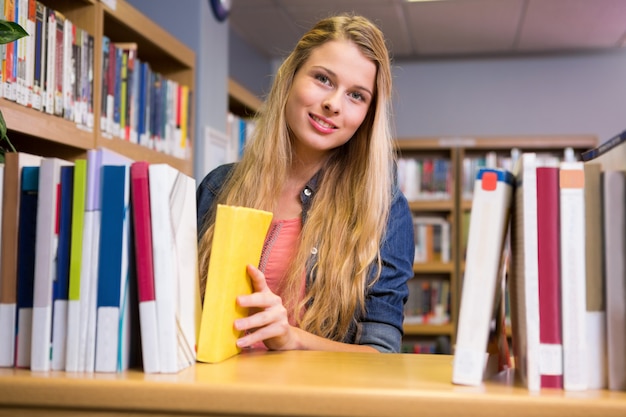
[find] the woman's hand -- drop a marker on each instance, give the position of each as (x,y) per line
(268,320)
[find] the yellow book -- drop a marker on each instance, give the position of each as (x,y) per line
(237,241)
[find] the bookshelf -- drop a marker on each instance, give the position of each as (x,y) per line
(455,208)
(37,132)
(241,101)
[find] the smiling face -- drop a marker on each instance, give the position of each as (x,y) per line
(329,98)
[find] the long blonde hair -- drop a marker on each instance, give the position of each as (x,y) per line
(346,222)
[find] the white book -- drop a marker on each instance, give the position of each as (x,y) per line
(573,277)
(50,62)
(174,237)
(491,207)
(47,242)
(69,75)
(96,158)
(524,273)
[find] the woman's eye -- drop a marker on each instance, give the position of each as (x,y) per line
(357,96)
(322,78)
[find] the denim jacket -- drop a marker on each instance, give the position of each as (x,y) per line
(381,325)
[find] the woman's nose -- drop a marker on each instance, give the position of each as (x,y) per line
(331,103)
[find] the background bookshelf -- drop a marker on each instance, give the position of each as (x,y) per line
(454,207)
(37,132)
(241,101)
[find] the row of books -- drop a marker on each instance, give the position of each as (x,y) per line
(99,264)
(439,345)
(557,233)
(51,69)
(425,178)
(428,302)
(432,239)
(140,105)
(473,163)
(222,148)
(239,131)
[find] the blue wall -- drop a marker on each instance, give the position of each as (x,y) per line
(575,94)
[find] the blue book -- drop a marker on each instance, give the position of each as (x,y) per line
(113,271)
(141,112)
(60,284)
(25,263)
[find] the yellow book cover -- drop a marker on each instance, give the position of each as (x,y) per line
(237,241)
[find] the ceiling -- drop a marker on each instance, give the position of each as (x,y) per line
(444,28)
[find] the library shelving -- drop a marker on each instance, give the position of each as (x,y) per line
(37,132)
(453,206)
(241,101)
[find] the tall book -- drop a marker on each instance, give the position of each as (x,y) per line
(60,288)
(594,273)
(524,275)
(112,326)
(96,158)
(614,215)
(25,268)
(239,234)
(606,304)
(46,260)
(548,256)
(39,55)
(144,264)
(11,192)
(174,246)
(573,275)
(491,206)
(73,304)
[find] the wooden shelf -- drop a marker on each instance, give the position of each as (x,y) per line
(241,101)
(411,329)
(432,205)
(49,135)
(433,267)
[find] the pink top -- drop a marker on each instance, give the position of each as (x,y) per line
(278,251)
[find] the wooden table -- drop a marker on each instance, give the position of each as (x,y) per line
(294,384)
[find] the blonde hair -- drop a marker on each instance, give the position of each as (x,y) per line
(346,222)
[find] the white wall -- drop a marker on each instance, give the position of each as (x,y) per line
(576,94)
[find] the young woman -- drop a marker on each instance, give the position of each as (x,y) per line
(340,248)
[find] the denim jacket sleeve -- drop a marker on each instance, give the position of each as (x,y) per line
(381,327)
(207,191)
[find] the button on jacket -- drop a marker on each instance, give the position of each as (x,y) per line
(381,325)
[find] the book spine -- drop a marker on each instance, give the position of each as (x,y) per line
(573,282)
(614,195)
(488,226)
(548,230)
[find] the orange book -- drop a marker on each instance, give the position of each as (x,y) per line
(237,241)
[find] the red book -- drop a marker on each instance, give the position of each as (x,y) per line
(141,219)
(548,232)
